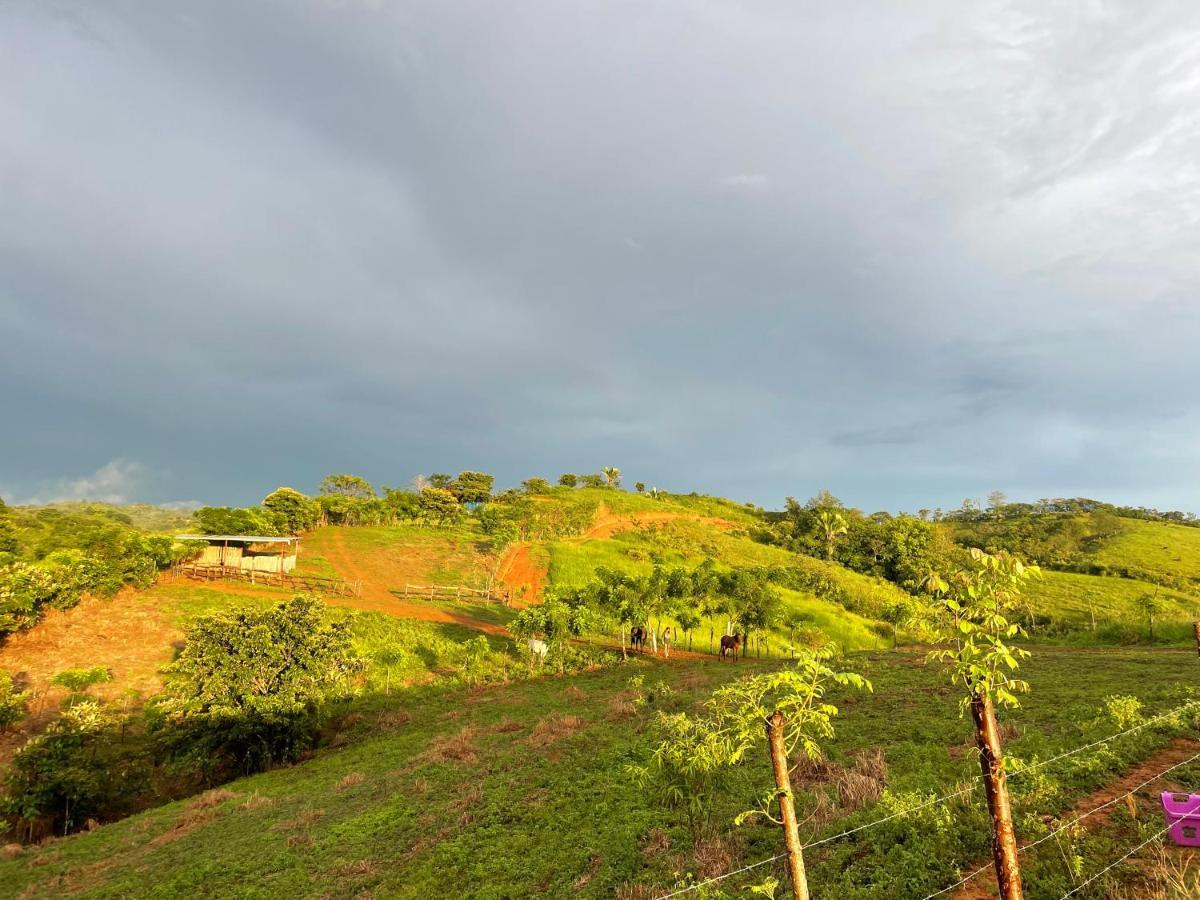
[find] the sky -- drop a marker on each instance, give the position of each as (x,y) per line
(907,251)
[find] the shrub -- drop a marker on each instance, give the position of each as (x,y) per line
(248,686)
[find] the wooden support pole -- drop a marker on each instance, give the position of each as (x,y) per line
(995,783)
(783,790)
(1196,631)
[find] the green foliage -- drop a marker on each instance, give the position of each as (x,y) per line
(297,512)
(439,505)
(77,681)
(692,760)
(248,685)
(347,486)
(970,611)
(568,479)
(13,703)
(591,481)
(72,771)
(612,476)
(536,486)
(231,520)
(472,487)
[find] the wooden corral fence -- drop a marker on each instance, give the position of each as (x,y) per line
(452,592)
(281,579)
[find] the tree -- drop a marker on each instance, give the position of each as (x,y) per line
(439,505)
(347,486)
(77,681)
(824,500)
(896,614)
(1150,606)
(230,520)
(297,512)
(568,479)
(473,487)
(970,612)
(831,525)
(788,707)
(388,658)
(996,501)
(536,485)
(640,487)
(440,480)
(13,703)
(612,475)
(250,684)
(554,620)
(591,481)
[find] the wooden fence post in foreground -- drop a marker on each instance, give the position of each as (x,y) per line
(1196,629)
(783,786)
(995,783)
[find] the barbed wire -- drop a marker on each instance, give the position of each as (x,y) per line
(1070,824)
(959,793)
(1117,862)
(716,878)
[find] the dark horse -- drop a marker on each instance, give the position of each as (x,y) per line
(637,638)
(731,643)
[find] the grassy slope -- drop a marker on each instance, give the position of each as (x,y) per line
(1155,546)
(1073,598)
(472,798)
(572,563)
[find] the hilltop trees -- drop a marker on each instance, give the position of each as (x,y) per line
(612,475)
(568,479)
(347,486)
(294,510)
(472,487)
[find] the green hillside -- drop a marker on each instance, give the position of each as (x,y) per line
(523,789)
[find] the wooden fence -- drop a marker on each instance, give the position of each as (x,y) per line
(451,592)
(281,579)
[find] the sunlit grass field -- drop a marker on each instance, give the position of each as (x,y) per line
(523,789)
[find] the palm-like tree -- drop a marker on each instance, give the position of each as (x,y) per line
(832,525)
(613,474)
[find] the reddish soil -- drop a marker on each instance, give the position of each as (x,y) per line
(1147,803)
(127,634)
(523,578)
(377,596)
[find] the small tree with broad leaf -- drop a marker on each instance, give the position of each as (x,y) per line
(787,707)
(970,613)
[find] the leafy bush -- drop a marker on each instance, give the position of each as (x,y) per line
(247,688)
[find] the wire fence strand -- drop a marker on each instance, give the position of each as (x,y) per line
(1117,862)
(1070,824)
(959,793)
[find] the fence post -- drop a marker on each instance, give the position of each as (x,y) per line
(1196,630)
(783,790)
(995,783)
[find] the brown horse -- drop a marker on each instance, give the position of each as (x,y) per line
(731,642)
(637,639)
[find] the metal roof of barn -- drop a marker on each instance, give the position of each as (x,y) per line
(244,538)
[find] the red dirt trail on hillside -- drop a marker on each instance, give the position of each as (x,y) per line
(982,887)
(377,597)
(517,570)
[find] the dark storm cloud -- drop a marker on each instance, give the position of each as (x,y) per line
(909,254)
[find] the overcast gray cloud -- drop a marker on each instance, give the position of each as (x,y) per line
(907,251)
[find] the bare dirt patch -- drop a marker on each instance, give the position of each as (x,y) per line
(128,634)
(521,576)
